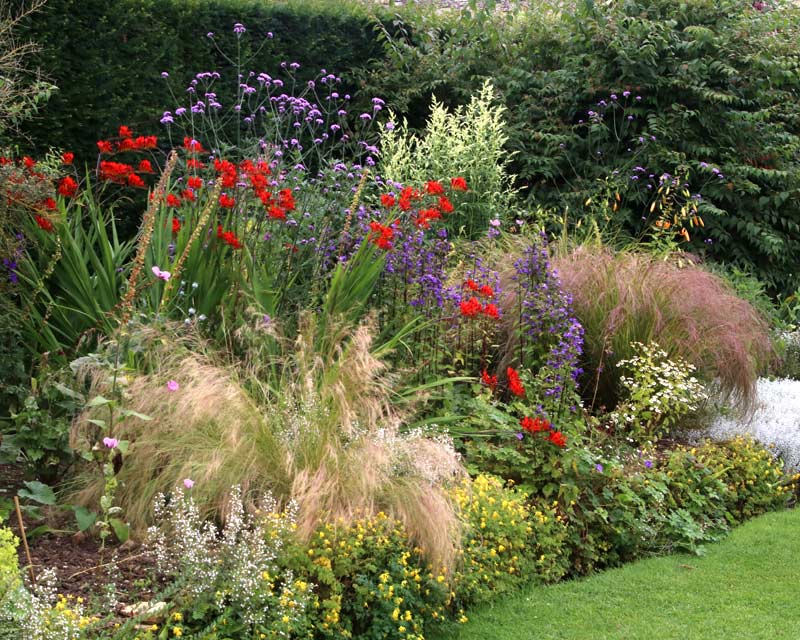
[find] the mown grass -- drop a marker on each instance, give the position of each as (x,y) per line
(744,587)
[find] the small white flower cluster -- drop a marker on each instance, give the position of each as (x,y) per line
(659,390)
(426,453)
(775,421)
(237,564)
(39,613)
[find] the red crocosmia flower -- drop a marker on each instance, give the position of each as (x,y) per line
(286,199)
(558,439)
(194,182)
(29,162)
(487,291)
(68,187)
(49,204)
(192,146)
(145,167)
(125,132)
(173,200)
(445,205)
(176,225)
(471,285)
(104,146)
(146,142)
(381,235)
(424,217)
(489,381)
(459,184)
(135,181)
(434,188)
(276,213)
(228,237)
(534,425)
(470,308)
(290,247)
(43,223)
(67,157)
(193,163)
(387,200)
(491,310)
(226,201)
(188,194)
(514,384)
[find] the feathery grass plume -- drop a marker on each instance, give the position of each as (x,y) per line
(328,438)
(627,297)
(148,223)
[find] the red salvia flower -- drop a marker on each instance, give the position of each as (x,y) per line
(192,145)
(424,217)
(489,381)
(487,291)
(173,200)
(176,225)
(145,166)
(534,425)
(188,194)
(194,182)
(125,132)
(381,235)
(276,213)
(104,146)
(49,204)
(471,285)
(286,199)
(193,163)
(67,157)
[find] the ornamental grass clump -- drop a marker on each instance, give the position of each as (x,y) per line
(326,436)
(631,297)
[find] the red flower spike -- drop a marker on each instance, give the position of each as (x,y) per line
(176,225)
(194,182)
(43,223)
(459,184)
(434,188)
(489,381)
(514,384)
(188,194)
(445,205)
(135,181)
(388,200)
(67,157)
(226,201)
(470,308)
(104,146)
(491,311)
(67,187)
(173,200)
(125,132)
(487,291)
(145,167)
(558,439)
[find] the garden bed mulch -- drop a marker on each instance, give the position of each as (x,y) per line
(83,570)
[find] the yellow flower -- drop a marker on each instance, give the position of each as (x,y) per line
(177,632)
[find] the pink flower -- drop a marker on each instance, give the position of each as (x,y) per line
(164,275)
(188,483)
(173,386)
(111,443)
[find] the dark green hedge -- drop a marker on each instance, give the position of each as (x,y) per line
(107,57)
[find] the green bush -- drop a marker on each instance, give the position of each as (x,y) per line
(9,565)
(710,89)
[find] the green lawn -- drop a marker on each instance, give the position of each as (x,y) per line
(744,587)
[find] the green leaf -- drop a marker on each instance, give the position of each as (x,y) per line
(121,530)
(84,517)
(97,401)
(38,492)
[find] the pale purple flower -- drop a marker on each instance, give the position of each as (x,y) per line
(164,275)
(648,464)
(111,443)
(599,467)
(520,436)
(239,29)
(188,483)
(172,385)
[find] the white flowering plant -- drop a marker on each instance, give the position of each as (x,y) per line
(658,392)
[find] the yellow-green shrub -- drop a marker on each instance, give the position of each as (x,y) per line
(9,565)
